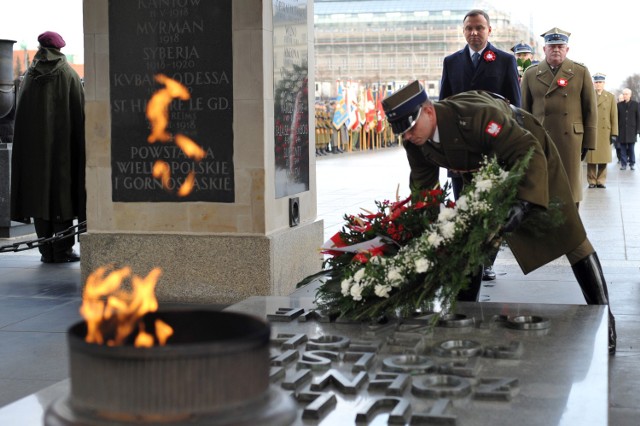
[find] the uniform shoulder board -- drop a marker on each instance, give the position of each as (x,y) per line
(580,63)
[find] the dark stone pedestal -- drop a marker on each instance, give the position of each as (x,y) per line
(8,229)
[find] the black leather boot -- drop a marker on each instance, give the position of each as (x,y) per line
(588,272)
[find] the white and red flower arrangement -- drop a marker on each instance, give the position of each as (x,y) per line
(416,254)
(489,56)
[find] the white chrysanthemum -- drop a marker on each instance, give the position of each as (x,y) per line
(434,239)
(382,290)
(375,260)
(394,275)
(462,203)
(346,286)
(356,292)
(422,265)
(446,214)
(448,230)
(357,277)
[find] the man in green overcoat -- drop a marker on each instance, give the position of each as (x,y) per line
(607,134)
(456,133)
(559,93)
(48,161)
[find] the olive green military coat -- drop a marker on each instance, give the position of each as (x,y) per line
(565,104)
(465,123)
(607,127)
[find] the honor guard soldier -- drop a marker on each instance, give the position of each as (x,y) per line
(559,93)
(456,133)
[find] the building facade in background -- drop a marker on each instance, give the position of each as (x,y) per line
(391,42)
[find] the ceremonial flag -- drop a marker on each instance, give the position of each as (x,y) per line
(362,107)
(340,115)
(381,116)
(370,110)
(352,105)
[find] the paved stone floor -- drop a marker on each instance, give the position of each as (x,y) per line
(39,301)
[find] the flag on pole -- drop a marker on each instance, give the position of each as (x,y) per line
(352,104)
(381,116)
(370,110)
(362,106)
(341,114)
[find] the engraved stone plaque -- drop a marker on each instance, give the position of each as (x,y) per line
(189,42)
(473,368)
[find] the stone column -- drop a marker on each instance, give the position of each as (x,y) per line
(249,227)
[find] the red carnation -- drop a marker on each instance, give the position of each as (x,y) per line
(489,56)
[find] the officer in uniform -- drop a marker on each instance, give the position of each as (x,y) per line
(456,133)
(598,159)
(524,56)
(559,93)
(522,51)
(320,143)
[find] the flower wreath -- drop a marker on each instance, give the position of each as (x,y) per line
(418,253)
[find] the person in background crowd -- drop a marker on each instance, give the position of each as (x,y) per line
(629,128)
(607,134)
(479,66)
(48,162)
(616,144)
(524,56)
(559,93)
(456,133)
(322,132)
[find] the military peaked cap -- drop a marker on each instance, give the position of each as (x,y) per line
(402,107)
(522,48)
(556,36)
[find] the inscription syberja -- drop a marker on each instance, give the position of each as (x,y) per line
(291,96)
(189,41)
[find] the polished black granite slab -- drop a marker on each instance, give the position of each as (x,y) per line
(478,368)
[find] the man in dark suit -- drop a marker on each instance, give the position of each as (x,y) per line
(629,127)
(496,70)
(479,66)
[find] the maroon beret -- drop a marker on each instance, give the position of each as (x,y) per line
(51,39)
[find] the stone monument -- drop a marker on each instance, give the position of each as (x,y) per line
(8,228)
(218,188)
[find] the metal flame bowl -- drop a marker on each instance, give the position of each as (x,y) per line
(214,369)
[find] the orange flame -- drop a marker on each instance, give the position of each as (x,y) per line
(161,171)
(187,185)
(158,107)
(112,314)
(158,115)
(189,147)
